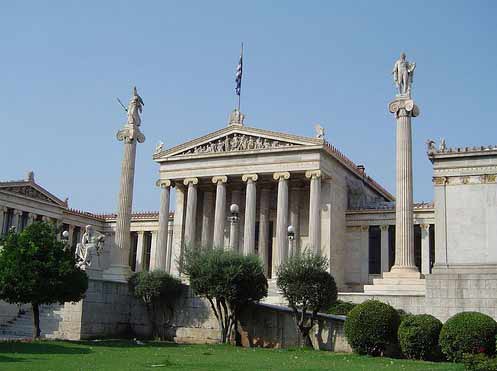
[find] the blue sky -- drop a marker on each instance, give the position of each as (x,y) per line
(64,63)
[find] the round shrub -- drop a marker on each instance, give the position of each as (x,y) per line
(418,337)
(468,332)
(371,327)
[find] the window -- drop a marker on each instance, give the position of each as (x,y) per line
(374,250)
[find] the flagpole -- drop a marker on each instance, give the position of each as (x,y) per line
(240,94)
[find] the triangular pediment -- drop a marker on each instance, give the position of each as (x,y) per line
(237,139)
(31,190)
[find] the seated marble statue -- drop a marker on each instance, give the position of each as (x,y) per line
(91,244)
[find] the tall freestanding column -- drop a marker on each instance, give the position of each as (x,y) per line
(404,108)
(220,210)
(282,218)
(160,256)
(119,269)
(250,206)
(404,277)
(315,211)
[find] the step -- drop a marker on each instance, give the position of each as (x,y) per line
(399,281)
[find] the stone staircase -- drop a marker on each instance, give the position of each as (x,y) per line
(21,327)
(400,284)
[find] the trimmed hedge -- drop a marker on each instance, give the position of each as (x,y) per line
(468,332)
(418,337)
(371,327)
(341,308)
(479,362)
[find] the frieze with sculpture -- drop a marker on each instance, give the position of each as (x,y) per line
(236,142)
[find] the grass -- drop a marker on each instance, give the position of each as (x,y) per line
(125,355)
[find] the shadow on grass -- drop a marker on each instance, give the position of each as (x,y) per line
(127,343)
(40,347)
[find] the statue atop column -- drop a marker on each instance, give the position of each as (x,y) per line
(135,107)
(403,73)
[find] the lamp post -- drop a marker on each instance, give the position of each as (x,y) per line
(65,240)
(291,239)
(234,219)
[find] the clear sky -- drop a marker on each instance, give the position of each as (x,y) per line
(65,62)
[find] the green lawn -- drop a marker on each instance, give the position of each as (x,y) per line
(124,355)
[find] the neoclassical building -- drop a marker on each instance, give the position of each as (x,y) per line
(277,180)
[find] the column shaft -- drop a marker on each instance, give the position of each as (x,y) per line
(169,247)
(220,211)
(404,230)
(250,208)
(282,217)
(264,229)
(159,256)
(125,201)
(295,220)
(3,213)
(207,225)
(191,211)
(16,220)
(140,252)
(178,230)
(385,256)
(315,211)
(425,249)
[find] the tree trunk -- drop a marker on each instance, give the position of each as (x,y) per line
(36,321)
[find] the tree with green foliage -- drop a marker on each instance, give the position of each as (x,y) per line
(228,280)
(308,287)
(36,268)
(159,291)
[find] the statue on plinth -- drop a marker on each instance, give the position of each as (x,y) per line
(91,245)
(403,73)
(135,107)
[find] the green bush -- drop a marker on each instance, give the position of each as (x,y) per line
(341,308)
(228,280)
(371,327)
(308,287)
(479,362)
(418,337)
(468,332)
(159,291)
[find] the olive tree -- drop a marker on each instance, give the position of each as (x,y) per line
(308,287)
(229,282)
(159,291)
(36,268)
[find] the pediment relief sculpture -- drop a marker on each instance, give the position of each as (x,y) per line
(30,192)
(236,142)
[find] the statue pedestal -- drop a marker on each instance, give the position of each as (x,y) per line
(117,273)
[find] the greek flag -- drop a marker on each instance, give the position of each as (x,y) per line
(238,76)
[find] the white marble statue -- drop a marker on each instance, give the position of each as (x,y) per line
(159,147)
(403,73)
(91,245)
(443,146)
(319,131)
(430,146)
(135,107)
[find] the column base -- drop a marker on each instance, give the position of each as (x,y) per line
(117,273)
(399,281)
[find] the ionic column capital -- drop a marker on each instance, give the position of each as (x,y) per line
(219,179)
(193,181)
(4,209)
(364,228)
(17,212)
(424,227)
(403,108)
(284,175)
(252,177)
(384,227)
(440,180)
(313,174)
(163,183)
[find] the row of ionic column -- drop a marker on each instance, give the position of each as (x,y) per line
(213,231)
(14,218)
